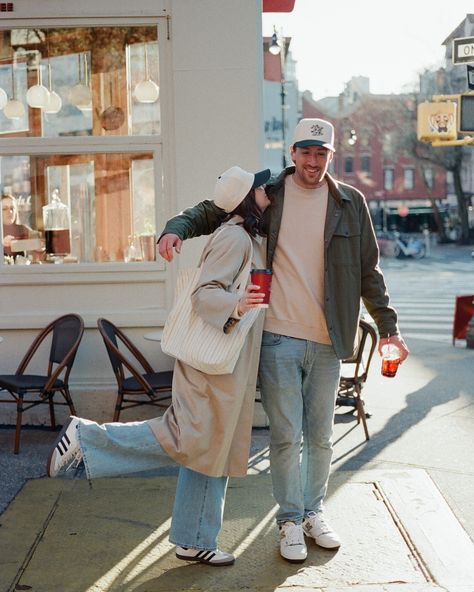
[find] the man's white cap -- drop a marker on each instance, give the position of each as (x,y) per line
(314,132)
(234,184)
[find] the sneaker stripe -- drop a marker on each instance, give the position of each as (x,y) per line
(62,447)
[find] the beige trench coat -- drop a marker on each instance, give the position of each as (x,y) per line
(208,426)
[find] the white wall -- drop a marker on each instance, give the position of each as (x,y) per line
(212,119)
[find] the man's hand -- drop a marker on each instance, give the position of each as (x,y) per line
(166,244)
(397,341)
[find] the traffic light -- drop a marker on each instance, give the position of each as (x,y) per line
(436,121)
(466,113)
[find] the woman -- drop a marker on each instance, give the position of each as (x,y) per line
(11,229)
(207,428)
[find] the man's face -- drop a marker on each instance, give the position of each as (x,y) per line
(311,164)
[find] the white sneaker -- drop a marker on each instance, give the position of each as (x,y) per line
(316,527)
(292,545)
(207,556)
(66,452)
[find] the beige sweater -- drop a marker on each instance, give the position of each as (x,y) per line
(297,298)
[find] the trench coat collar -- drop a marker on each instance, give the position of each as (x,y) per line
(237,220)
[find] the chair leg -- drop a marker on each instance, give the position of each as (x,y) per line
(361,415)
(19,417)
(118,407)
(67,396)
(52,415)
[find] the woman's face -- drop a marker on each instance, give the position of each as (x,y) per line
(261,198)
(8,211)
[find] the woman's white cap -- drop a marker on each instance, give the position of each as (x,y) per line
(234,184)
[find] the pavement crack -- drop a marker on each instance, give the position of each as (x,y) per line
(31,551)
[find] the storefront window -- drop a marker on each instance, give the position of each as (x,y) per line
(79,81)
(70,192)
(78,208)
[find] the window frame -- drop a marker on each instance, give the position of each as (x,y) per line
(407,170)
(101,272)
(349,159)
(392,170)
(366,158)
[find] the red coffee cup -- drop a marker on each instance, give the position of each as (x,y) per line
(263,279)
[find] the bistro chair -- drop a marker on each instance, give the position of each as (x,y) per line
(351,383)
(138,388)
(30,390)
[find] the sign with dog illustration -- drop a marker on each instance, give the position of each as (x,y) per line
(436,121)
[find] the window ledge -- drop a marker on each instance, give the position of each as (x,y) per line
(82,273)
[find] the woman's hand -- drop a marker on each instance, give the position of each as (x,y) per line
(251,298)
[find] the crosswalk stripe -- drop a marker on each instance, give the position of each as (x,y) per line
(424,297)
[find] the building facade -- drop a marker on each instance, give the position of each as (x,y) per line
(116,117)
(372,155)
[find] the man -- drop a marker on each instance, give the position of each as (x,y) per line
(322,249)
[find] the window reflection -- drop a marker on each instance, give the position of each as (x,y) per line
(80,208)
(96,81)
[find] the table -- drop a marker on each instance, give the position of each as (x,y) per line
(154,335)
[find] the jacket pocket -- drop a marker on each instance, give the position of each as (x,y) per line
(345,243)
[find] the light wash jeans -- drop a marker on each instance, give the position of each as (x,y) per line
(118,449)
(298,384)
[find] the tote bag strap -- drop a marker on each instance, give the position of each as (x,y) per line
(240,282)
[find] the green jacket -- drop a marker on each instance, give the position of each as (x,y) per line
(351,257)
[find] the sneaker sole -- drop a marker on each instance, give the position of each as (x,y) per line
(206,561)
(293,560)
(56,442)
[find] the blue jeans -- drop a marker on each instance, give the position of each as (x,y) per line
(115,449)
(298,384)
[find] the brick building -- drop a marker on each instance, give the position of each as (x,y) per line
(372,155)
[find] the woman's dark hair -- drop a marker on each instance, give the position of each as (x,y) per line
(251,213)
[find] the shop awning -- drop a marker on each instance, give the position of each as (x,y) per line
(418,210)
(278,5)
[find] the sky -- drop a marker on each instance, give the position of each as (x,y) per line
(389,42)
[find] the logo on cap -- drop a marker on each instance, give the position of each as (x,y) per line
(317,130)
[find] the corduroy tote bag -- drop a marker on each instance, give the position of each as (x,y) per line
(187,337)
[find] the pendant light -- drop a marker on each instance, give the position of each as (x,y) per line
(54,102)
(146,91)
(80,95)
(37,96)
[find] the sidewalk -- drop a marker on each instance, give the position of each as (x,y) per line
(402,503)
(63,535)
